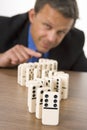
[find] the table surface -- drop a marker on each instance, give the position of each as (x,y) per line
(14,113)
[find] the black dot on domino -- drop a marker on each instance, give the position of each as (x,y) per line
(46,96)
(57,79)
(55,96)
(49,81)
(34,87)
(33,95)
(42,92)
(55,100)
(46,100)
(46,84)
(45,104)
(41,100)
(33,91)
(55,105)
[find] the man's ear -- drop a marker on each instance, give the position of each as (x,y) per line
(31,15)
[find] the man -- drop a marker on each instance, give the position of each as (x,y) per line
(45,31)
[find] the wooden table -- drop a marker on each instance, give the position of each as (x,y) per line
(14,113)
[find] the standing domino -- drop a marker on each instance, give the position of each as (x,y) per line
(50,109)
(65,84)
(57,85)
(32,88)
(22,74)
(39,100)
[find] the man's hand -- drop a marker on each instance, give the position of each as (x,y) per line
(17,55)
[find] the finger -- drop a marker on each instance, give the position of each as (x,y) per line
(20,54)
(31,52)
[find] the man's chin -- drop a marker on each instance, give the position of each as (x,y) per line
(43,50)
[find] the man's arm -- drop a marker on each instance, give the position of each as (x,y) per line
(16,55)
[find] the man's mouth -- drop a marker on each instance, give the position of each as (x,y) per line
(46,46)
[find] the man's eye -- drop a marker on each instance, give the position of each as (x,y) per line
(61,32)
(47,26)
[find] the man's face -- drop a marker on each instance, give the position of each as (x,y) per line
(48,28)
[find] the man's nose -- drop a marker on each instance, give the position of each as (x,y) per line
(52,37)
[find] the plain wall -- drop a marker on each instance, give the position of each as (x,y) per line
(13,7)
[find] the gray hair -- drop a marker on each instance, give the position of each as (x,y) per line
(68,8)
